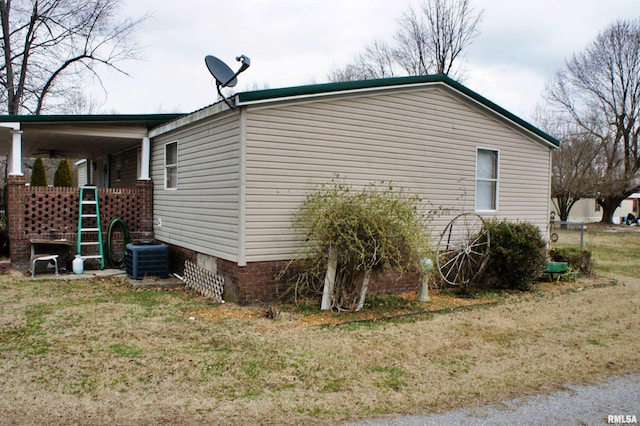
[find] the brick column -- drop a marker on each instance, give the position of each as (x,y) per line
(19,246)
(145,198)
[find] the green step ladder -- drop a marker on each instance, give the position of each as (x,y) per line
(90,212)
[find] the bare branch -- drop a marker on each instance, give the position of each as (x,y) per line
(452,26)
(48,44)
(430,40)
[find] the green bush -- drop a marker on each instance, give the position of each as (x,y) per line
(578,260)
(368,230)
(39,173)
(516,256)
(64,175)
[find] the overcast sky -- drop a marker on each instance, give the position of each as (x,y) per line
(521,45)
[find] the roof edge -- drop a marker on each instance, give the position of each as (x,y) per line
(61,118)
(184,120)
(322,88)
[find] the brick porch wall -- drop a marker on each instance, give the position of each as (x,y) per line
(52,212)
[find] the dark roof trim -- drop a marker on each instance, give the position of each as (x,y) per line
(148,120)
(269,95)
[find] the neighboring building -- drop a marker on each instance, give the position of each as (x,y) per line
(588,210)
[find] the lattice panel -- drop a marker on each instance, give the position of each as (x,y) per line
(48,214)
(204,282)
(52,212)
(120,203)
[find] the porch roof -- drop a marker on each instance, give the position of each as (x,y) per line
(78,136)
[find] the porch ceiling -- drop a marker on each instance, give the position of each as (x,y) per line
(79,137)
(54,144)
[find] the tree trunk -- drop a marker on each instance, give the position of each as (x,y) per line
(562,203)
(363,290)
(329,282)
(609,206)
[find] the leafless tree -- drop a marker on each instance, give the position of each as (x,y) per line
(49,44)
(599,91)
(574,175)
(412,50)
(77,102)
(430,40)
(377,61)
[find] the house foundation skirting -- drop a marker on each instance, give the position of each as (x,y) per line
(257,282)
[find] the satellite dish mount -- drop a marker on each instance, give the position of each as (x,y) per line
(224,76)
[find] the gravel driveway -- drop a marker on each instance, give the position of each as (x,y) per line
(618,397)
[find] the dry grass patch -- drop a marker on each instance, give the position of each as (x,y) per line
(91,351)
(385,308)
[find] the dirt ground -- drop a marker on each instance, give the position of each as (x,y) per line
(440,302)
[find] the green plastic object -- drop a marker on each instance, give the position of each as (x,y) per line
(557,267)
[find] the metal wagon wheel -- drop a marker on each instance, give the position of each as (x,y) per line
(463,250)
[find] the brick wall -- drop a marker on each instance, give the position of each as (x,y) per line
(394,282)
(52,212)
(177,256)
(144,197)
(19,248)
(254,283)
(257,282)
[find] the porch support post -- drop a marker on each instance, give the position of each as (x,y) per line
(15,157)
(145,159)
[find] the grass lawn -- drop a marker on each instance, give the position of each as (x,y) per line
(97,351)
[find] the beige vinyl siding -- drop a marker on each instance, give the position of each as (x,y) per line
(202,214)
(83,172)
(424,140)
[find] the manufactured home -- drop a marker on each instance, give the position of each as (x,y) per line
(226,179)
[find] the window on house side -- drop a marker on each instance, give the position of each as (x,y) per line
(486,180)
(597,209)
(171,165)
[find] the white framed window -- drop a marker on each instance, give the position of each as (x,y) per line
(487,161)
(171,165)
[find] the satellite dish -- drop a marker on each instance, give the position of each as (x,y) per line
(224,76)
